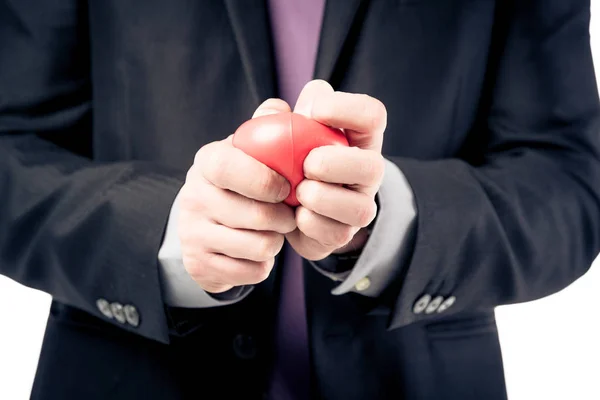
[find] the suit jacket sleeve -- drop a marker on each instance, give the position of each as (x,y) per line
(521,219)
(77,228)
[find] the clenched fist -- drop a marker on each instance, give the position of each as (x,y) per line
(232,220)
(338,195)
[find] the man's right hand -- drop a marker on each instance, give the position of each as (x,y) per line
(232,220)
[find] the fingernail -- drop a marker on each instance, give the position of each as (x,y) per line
(262,112)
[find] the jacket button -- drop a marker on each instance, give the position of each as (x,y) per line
(131,315)
(118,313)
(446,304)
(244,346)
(421,304)
(433,306)
(104,307)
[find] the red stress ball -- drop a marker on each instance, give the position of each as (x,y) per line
(282,142)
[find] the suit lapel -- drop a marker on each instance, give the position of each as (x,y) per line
(251,28)
(338,19)
(252,31)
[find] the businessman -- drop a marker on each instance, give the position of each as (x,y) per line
(472,180)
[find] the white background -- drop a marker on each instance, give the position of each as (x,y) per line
(551,347)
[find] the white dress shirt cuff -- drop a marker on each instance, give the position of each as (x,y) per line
(389,243)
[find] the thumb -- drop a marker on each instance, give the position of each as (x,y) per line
(271,106)
(311,91)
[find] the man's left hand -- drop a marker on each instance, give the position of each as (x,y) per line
(337,198)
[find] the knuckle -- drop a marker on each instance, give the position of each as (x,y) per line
(262,249)
(365,163)
(267,183)
(202,271)
(204,154)
(277,243)
(215,168)
(194,267)
(213,262)
(381,109)
(365,214)
(372,167)
(262,215)
(277,217)
(188,201)
(215,171)
(313,250)
(378,167)
(315,164)
(303,219)
(268,246)
(379,113)
(262,271)
(376,113)
(288,223)
(316,254)
(194,184)
(192,232)
(342,235)
(313,193)
(214,286)
(321,166)
(323,108)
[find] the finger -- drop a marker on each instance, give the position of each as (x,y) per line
(362,117)
(230,168)
(239,272)
(309,93)
(271,106)
(308,247)
(326,231)
(347,166)
(236,243)
(212,286)
(236,211)
(358,242)
(218,273)
(336,202)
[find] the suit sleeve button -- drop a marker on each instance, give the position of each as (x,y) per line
(104,307)
(446,304)
(132,315)
(421,304)
(118,313)
(434,305)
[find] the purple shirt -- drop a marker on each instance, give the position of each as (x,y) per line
(296,26)
(296,29)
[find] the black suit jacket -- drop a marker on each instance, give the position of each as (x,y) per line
(493,118)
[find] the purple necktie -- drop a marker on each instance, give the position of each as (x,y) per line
(296,28)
